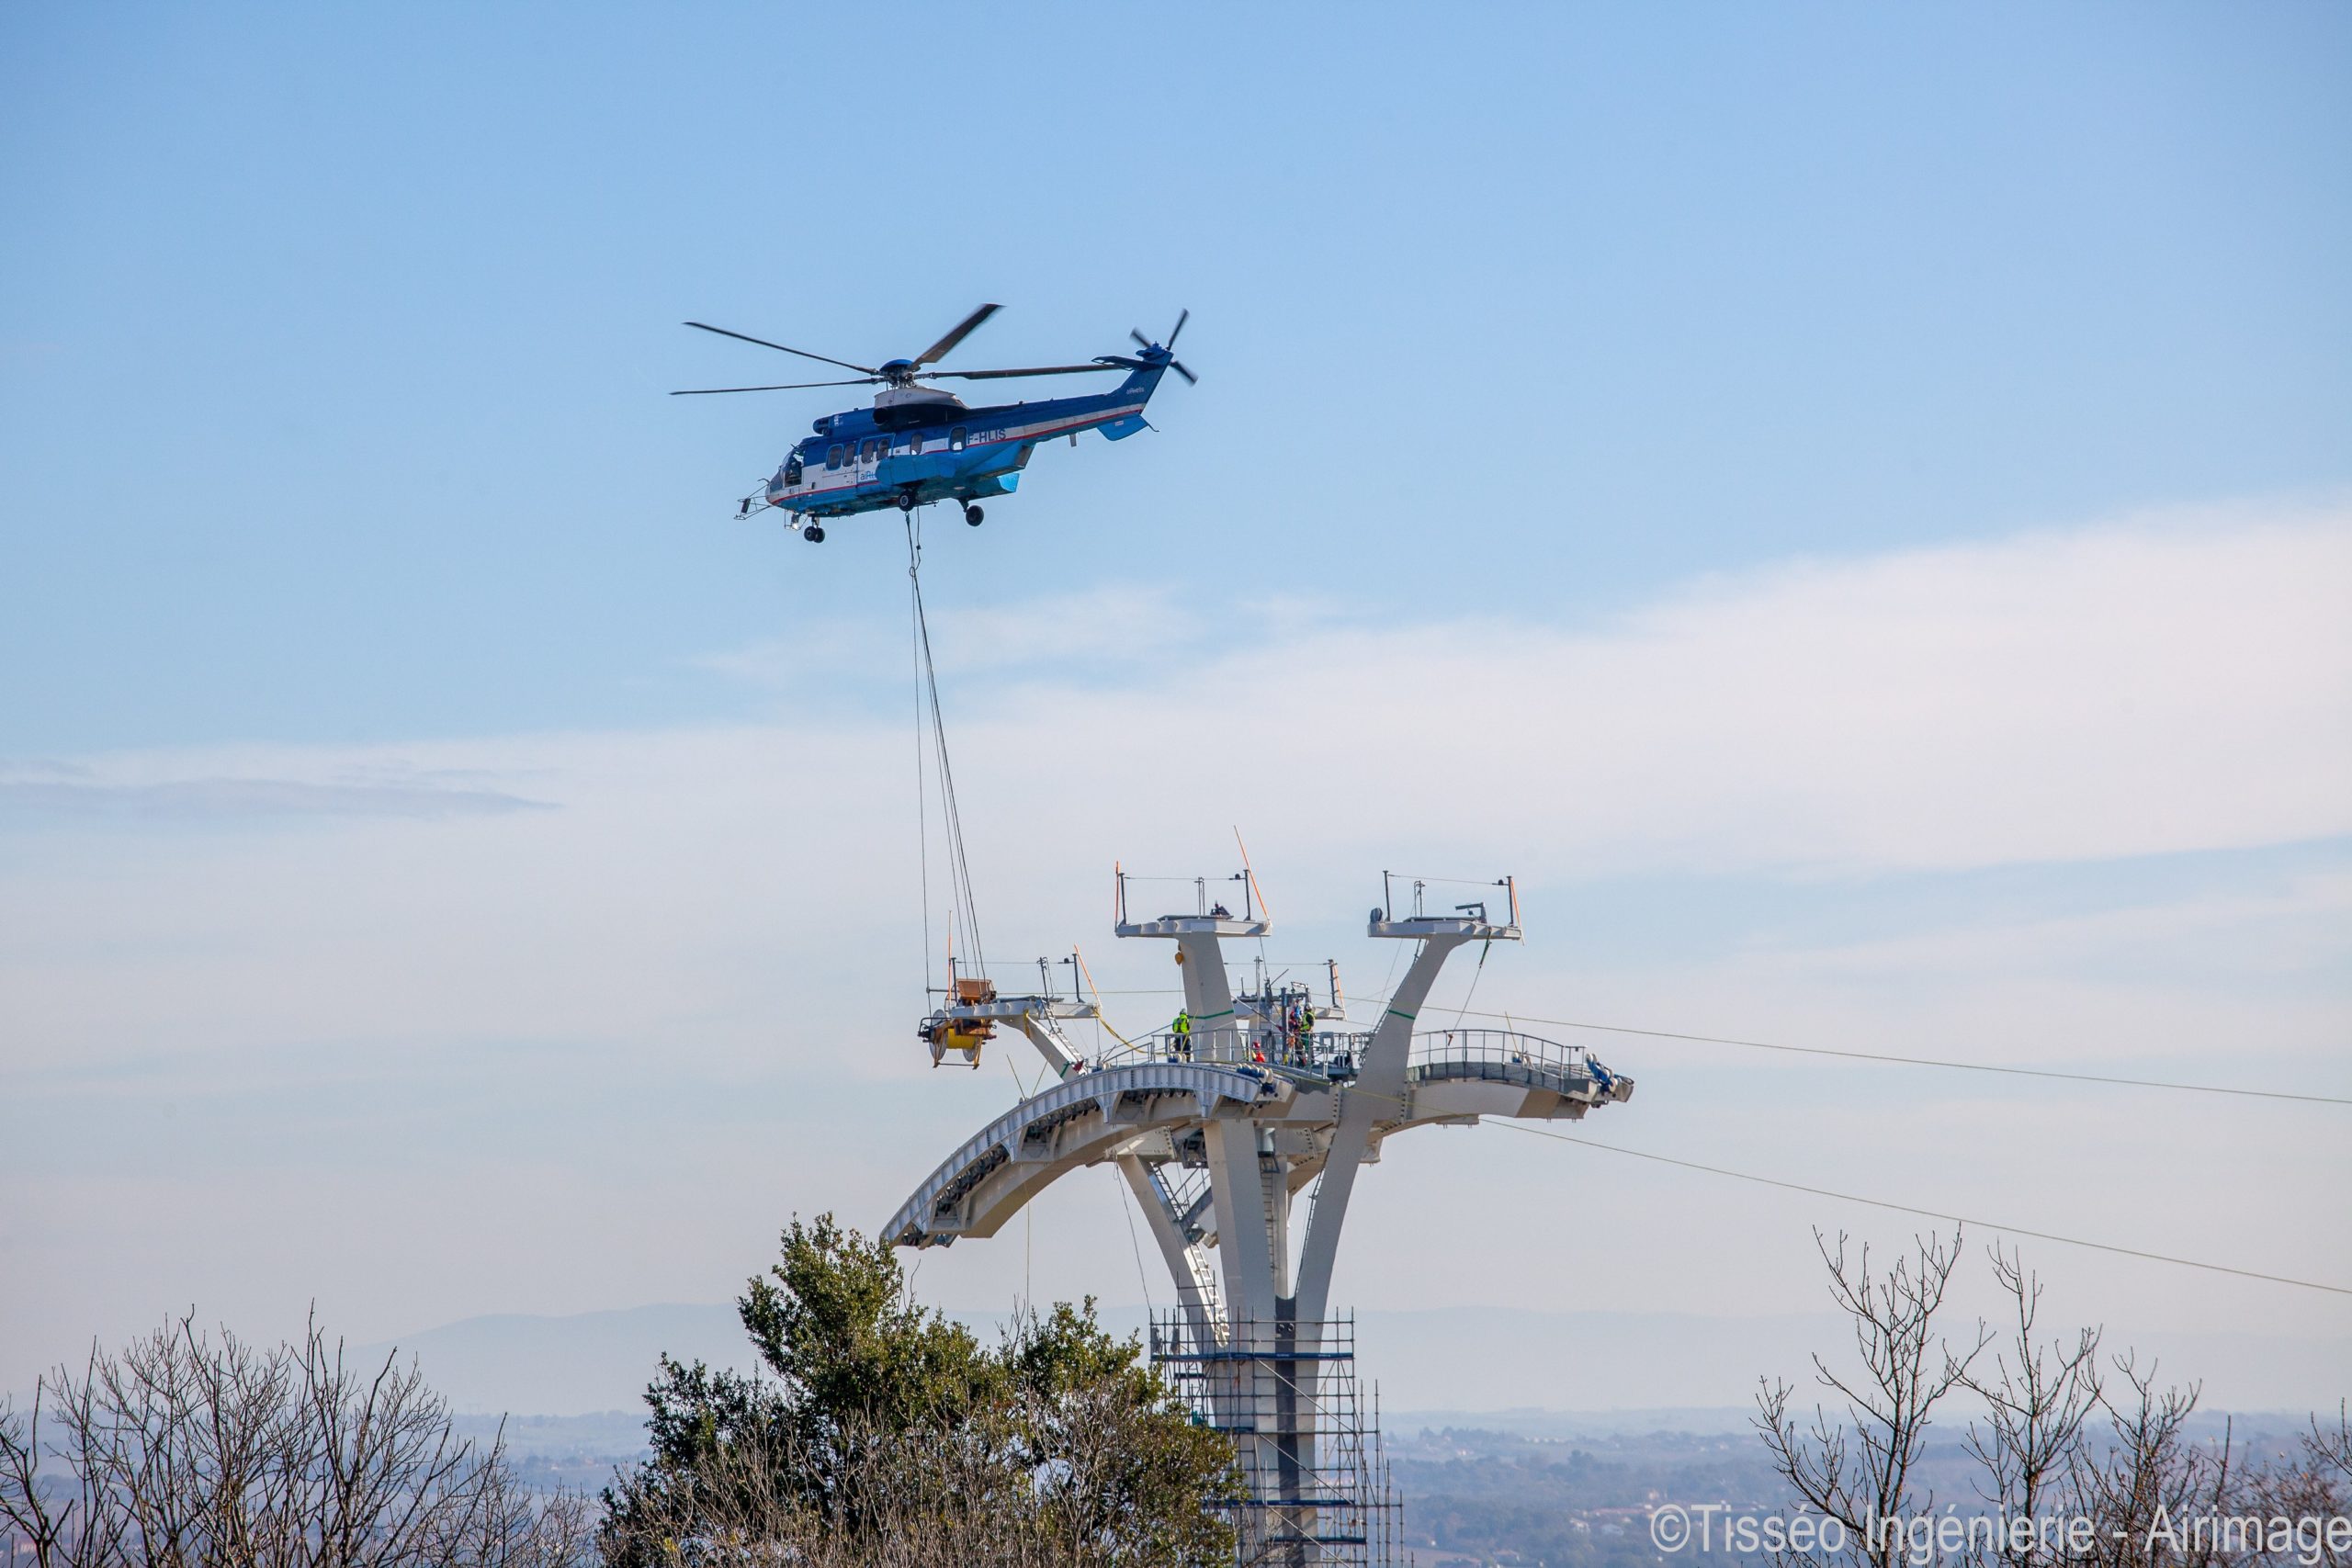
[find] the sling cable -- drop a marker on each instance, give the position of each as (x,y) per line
(942,1034)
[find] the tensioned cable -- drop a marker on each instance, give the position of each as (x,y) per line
(959,865)
(1931,1061)
(1932,1214)
(1129,1210)
(922,798)
(1855,1055)
(1102,1023)
(1472,994)
(1014,1067)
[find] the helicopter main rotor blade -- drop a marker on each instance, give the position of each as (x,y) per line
(956,335)
(785,387)
(995,375)
(826,358)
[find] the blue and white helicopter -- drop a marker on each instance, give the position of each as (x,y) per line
(919,444)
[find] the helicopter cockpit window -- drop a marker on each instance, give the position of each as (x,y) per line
(832,457)
(955,439)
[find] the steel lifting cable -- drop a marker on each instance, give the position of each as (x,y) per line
(923,797)
(966,912)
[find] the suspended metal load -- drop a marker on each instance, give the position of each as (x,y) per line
(958,1027)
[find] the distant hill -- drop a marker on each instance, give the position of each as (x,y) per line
(568,1366)
(1450,1366)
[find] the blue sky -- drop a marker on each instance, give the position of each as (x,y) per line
(1850,501)
(335,344)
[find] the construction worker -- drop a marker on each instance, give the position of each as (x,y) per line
(1182,1030)
(1306,1030)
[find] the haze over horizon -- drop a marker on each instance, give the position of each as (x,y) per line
(1853,510)
(1620,1369)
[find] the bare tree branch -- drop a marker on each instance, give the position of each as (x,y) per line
(183,1452)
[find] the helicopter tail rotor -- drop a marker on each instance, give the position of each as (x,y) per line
(1153,350)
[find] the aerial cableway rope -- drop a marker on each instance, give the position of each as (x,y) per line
(1928,1213)
(963,911)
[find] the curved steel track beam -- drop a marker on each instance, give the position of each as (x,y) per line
(1088,1118)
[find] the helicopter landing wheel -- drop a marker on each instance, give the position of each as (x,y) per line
(814,533)
(972,515)
(905,501)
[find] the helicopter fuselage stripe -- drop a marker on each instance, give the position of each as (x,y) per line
(1009,437)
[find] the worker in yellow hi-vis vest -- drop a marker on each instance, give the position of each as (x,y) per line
(1182,1030)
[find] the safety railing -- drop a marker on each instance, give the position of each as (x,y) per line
(1500,1054)
(1331,1054)
(1503,1054)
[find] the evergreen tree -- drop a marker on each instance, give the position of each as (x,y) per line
(881,1432)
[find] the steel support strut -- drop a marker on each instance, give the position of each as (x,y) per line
(1377,1096)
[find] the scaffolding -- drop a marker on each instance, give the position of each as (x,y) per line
(1315,1483)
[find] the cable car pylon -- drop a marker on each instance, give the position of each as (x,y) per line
(1217,1127)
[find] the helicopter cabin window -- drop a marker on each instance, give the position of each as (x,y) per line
(915,443)
(874,451)
(955,439)
(832,457)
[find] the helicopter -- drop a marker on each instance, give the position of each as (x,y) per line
(920,444)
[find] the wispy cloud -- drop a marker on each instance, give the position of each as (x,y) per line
(2168,684)
(231,798)
(686,980)
(1116,632)
(2111,692)
(2114,691)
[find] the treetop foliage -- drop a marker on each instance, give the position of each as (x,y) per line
(878,1431)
